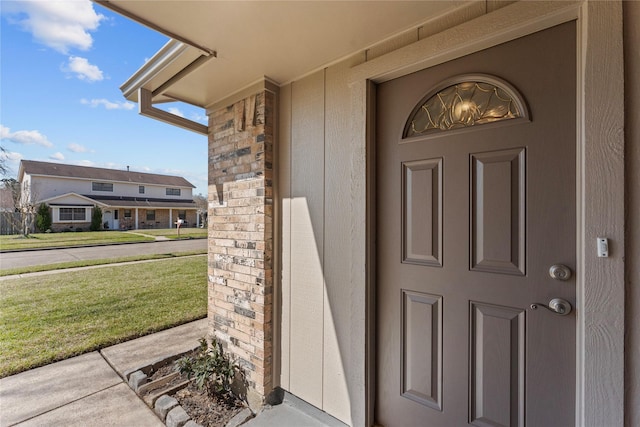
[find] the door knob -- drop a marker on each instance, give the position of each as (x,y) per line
(557,305)
(560,272)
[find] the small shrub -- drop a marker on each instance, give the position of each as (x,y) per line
(96,219)
(211,369)
(43,217)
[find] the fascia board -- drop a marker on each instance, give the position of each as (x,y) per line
(79,196)
(170,60)
(115,181)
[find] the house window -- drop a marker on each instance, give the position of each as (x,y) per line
(469,101)
(73,214)
(173,191)
(182,215)
(102,186)
(127,213)
(141,189)
(151,215)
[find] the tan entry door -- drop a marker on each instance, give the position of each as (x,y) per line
(469,222)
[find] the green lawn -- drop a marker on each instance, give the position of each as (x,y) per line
(49,240)
(45,240)
(92,262)
(53,317)
(172,233)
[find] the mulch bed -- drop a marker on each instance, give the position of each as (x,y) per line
(208,411)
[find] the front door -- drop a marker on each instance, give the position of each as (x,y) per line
(107,219)
(475,177)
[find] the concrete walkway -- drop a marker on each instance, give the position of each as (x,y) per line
(90,390)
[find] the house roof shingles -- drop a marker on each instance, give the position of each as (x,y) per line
(142,202)
(33,167)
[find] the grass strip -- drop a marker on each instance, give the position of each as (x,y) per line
(53,317)
(48,240)
(92,262)
(172,233)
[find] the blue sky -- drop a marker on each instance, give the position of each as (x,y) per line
(61,65)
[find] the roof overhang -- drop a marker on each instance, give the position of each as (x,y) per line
(72,199)
(221,47)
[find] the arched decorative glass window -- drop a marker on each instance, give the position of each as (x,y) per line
(465,101)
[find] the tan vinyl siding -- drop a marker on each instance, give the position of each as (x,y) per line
(320,354)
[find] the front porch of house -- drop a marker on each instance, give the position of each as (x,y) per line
(119,218)
(73,211)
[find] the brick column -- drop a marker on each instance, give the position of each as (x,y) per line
(241,236)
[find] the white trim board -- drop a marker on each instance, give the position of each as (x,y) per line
(600,178)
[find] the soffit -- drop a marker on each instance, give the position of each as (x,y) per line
(282,40)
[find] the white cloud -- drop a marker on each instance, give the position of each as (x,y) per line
(109,105)
(77,148)
(11,156)
(202,118)
(176,111)
(11,160)
(83,69)
(57,156)
(85,163)
(61,25)
(24,137)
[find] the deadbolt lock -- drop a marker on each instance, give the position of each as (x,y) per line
(560,272)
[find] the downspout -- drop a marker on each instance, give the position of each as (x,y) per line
(146,108)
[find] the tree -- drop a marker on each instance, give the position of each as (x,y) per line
(96,219)
(203,207)
(4,167)
(43,218)
(24,199)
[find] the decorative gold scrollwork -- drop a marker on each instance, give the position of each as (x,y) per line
(463,104)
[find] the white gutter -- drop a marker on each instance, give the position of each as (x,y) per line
(172,54)
(175,60)
(168,66)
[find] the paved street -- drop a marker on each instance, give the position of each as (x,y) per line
(54,256)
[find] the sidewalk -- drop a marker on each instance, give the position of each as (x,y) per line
(90,390)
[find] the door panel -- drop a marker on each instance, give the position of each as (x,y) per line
(497,365)
(422,206)
(468,224)
(497,211)
(422,348)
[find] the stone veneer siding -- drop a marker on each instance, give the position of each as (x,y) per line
(240,267)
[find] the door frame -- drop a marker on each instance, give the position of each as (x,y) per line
(599,180)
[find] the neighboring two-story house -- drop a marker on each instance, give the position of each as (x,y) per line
(128,199)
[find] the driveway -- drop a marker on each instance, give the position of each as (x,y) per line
(54,256)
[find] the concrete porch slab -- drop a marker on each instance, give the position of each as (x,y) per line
(131,355)
(293,412)
(40,390)
(115,406)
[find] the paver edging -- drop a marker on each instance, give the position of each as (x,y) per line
(161,403)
